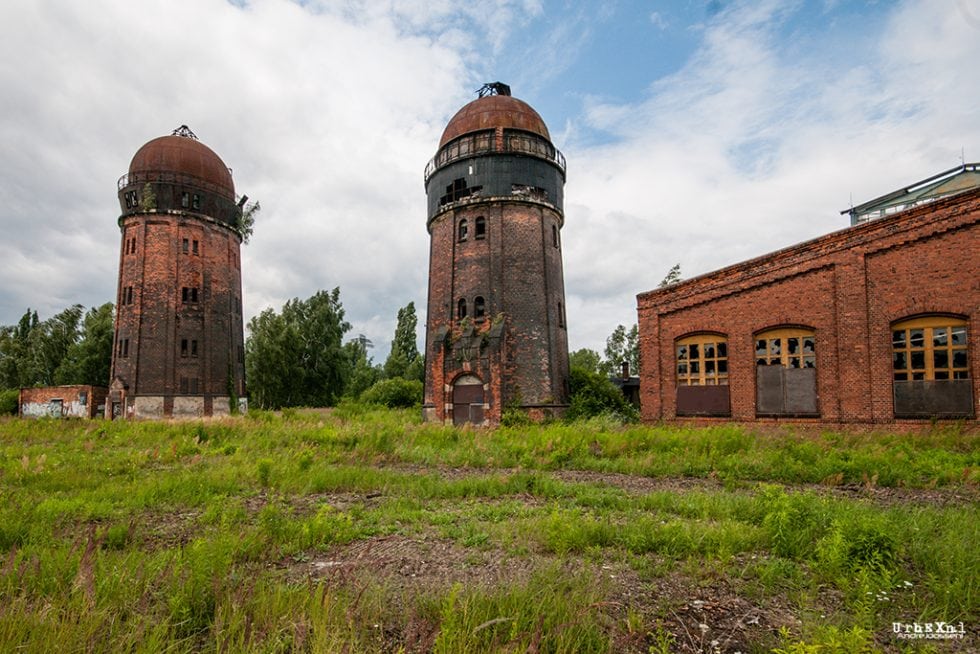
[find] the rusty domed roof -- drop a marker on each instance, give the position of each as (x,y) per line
(181,153)
(492,111)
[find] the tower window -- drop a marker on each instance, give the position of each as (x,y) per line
(188,294)
(194,348)
(194,247)
(554,235)
(195,201)
(480,228)
(185,246)
(462,231)
(461,308)
(561,315)
(183,347)
(183,385)
(128,295)
(123,350)
(185,199)
(479,307)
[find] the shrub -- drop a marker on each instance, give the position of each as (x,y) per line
(394,393)
(594,395)
(8,402)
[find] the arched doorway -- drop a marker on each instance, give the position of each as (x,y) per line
(468,400)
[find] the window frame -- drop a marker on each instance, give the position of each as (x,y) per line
(718,361)
(784,356)
(927,326)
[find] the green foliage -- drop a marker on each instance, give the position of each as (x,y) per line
(296,358)
(245,223)
(586,359)
(88,360)
(592,394)
(394,393)
(229,534)
(622,345)
(672,277)
(59,350)
(9,400)
(364,373)
(404,359)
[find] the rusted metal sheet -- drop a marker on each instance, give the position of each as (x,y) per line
(466,398)
(786,391)
(703,401)
(945,398)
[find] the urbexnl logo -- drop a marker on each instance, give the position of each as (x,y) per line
(928,630)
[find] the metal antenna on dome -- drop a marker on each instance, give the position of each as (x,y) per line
(493,88)
(184,130)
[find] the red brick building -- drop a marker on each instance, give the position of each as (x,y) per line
(495,333)
(876,323)
(62,401)
(179,339)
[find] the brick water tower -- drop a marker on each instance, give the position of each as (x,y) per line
(495,331)
(179,341)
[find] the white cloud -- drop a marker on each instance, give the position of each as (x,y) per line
(328,112)
(747,150)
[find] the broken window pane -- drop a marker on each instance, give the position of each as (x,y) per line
(959,358)
(709,367)
(775,347)
(709,350)
(694,351)
(959,335)
(898,361)
(939,336)
(918,360)
(940,359)
(681,368)
(808,347)
(722,366)
(722,349)
(942,374)
(681,351)
(794,362)
(760,348)
(898,338)
(809,362)
(961,374)
(793,345)
(901,376)
(695,367)
(916,338)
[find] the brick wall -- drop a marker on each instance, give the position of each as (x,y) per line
(178,344)
(65,401)
(849,287)
(522,351)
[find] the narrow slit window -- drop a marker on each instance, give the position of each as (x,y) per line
(185,246)
(479,307)
(183,347)
(461,308)
(194,247)
(480,231)
(194,348)
(462,231)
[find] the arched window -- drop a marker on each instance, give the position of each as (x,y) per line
(786,376)
(461,308)
(479,307)
(701,363)
(930,367)
(462,230)
(480,231)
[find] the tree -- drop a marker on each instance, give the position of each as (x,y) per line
(47,346)
(245,223)
(592,394)
(673,276)
(88,360)
(586,359)
(296,358)
(364,373)
(404,359)
(622,346)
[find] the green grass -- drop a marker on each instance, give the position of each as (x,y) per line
(191,536)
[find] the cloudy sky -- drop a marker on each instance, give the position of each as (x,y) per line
(696,132)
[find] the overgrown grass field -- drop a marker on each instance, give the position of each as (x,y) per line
(362,530)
